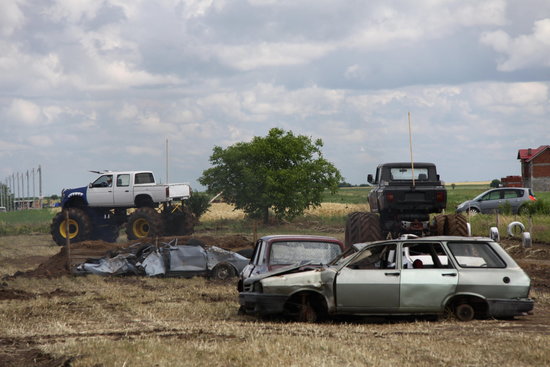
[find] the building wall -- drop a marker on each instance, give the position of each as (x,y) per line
(540,172)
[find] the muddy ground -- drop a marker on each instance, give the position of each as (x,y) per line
(18,352)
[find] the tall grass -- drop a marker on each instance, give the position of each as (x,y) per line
(25,222)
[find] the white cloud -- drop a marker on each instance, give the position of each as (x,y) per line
(39,141)
(523,51)
(25,112)
(11,17)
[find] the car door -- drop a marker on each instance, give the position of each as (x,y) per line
(257,260)
(123,194)
(100,192)
(490,202)
(427,277)
(511,196)
(369,283)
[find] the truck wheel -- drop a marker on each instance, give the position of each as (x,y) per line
(180,223)
(440,222)
(457,225)
(80,226)
(144,222)
(362,227)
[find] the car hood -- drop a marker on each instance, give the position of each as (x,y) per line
(279,271)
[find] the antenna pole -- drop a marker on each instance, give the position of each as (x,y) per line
(166,161)
(411,149)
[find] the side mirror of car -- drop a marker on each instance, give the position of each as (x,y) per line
(370,178)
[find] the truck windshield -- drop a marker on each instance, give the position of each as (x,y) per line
(290,252)
(405,173)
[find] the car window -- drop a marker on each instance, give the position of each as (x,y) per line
(144,178)
(103,181)
(424,256)
(375,257)
(290,252)
(493,195)
(511,194)
(475,255)
(123,180)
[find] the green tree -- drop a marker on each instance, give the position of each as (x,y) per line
(282,172)
(495,183)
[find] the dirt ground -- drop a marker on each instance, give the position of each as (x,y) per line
(25,352)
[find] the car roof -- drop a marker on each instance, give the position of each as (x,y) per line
(433,238)
(299,237)
(406,164)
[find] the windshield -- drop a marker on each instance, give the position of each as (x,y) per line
(291,252)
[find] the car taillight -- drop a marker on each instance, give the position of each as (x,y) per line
(532,198)
(440,196)
(389,196)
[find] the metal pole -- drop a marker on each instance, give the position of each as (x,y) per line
(166,162)
(28,192)
(40,184)
(33,188)
(411,149)
(68,239)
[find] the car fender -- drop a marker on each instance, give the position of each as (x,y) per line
(451,297)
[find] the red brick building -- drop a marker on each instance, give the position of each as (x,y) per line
(535,167)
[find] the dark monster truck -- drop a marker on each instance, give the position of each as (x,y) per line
(401,201)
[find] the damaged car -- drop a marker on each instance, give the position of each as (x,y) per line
(190,259)
(277,251)
(468,277)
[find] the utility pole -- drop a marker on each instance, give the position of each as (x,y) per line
(40,185)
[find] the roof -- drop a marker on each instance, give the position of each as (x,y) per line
(299,237)
(529,154)
(406,164)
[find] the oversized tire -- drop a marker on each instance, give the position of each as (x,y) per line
(457,225)
(179,223)
(80,226)
(144,222)
(464,312)
(440,223)
(223,272)
(362,227)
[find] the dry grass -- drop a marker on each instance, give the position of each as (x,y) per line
(131,321)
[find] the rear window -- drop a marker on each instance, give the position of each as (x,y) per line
(290,252)
(407,173)
(475,255)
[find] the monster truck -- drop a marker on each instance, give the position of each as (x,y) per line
(400,202)
(148,209)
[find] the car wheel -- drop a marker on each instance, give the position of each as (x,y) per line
(473,211)
(223,272)
(439,224)
(464,312)
(362,227)
(306,312)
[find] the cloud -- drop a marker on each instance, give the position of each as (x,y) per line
(531,50)
(11,17)
(25,112)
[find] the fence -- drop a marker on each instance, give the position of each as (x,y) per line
(12,190)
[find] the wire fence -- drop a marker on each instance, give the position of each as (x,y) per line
(19,190)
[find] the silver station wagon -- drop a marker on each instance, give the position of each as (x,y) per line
(470,277)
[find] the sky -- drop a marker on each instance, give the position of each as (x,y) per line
(116,84)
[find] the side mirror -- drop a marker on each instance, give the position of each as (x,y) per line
(90,185)
(370,179)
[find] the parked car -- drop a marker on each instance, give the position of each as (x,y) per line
(276,251)
(471,277)
(494,200)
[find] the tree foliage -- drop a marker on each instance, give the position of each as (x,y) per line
(282,172)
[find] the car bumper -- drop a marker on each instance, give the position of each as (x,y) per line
(509,307)
(262,304)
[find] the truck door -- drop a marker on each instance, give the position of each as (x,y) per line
(123,192)
(370,282)
(100,192)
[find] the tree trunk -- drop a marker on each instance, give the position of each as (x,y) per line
(266,215)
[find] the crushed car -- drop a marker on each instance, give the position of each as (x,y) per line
(190,259)
(277,251)
(469,277)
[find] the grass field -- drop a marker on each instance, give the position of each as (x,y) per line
(132,321)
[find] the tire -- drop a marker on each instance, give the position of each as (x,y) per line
(223,272)
(464,312)
(80,226)
(180,223)
(440,222)
(306,312)
(457,225)
(473,211)
(144,222)
(362,227)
